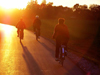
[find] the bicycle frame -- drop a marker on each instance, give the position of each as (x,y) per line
(62,54)
(37,34)
(20,34)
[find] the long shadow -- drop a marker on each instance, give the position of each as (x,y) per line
(70,72)
(33,67)
(47,48)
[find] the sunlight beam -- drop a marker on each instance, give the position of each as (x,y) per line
(8,4)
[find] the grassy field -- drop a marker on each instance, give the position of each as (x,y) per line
(78,29)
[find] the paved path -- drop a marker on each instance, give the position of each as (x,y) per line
(30,57)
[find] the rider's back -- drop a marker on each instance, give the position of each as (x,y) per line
(37,23)
(61,30)
(21,25)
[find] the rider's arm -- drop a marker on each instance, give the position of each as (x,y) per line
(55,32)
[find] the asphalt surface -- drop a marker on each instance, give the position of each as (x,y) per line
(30,57)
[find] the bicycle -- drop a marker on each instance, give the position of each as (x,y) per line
(62,54)
(21,34)
(37,34)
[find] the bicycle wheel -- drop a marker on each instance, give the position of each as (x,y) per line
(21,35)
(62,61)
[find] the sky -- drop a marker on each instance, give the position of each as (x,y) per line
(71,3)
(23,3)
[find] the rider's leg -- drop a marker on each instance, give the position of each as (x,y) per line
(22,30)
(57,48)
(66,48)
(39,32)
(34,29)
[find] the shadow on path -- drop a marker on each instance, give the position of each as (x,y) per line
(33,67)
(47,48)
(70,71)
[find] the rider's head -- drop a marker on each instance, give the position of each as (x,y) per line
(37,16)
(61,20)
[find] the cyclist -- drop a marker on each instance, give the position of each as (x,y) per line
(60,34)
(37,24)
(20,26)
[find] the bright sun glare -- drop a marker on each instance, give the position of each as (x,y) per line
(6,28)
(20,4)
(8,4)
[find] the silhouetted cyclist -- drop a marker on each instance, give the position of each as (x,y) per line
(37,24)
(60,34)
(20,26)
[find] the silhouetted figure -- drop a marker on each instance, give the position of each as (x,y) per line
(60,34)
(37,24)
(20,26)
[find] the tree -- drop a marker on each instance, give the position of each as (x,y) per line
(95,10)
(83,6)
(75,7)
(44,1)
(50,4)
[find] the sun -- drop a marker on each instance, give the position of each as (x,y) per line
(20,4)
(8,4)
